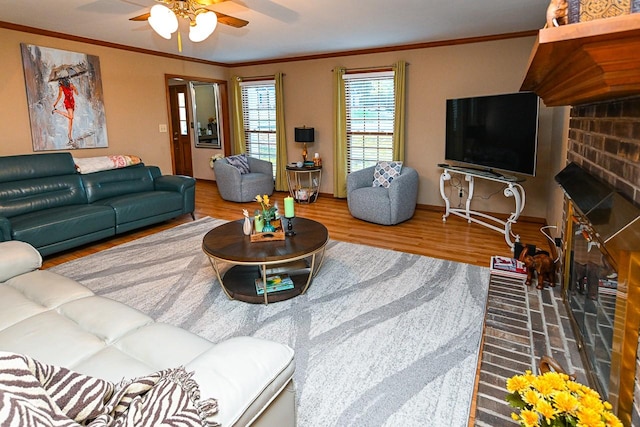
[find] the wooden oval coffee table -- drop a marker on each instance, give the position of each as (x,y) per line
(299,256)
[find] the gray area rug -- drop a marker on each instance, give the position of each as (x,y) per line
(382,338)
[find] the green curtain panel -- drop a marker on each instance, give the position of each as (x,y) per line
(399,81)
(340,135)
(238,146)
(281,137)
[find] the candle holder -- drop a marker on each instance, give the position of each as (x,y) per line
(289,231)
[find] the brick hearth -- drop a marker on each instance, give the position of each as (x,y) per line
(521,325)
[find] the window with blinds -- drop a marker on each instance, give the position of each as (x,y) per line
(182,114)
(259,115)
(370,103)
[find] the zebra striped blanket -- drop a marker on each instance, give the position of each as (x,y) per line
(33,393)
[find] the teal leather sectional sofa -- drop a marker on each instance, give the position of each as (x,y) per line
(45,202)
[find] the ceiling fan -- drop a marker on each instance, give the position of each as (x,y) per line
(163,18)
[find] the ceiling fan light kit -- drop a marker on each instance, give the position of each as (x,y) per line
(164,19)
(203,26)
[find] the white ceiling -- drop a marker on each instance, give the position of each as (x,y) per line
(285,28)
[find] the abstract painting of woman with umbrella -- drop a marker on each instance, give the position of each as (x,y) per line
(64,92)
(67,92)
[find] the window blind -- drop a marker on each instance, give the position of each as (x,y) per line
(370,105)
(259,116)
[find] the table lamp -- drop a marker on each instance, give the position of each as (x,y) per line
(304,135)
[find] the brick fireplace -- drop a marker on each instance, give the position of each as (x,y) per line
(604,140)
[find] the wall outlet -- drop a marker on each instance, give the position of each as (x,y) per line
(162,128)
(460,192)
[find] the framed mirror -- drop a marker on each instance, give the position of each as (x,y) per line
(206,114)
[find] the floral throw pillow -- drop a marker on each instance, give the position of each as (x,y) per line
(240,162)
(385,172)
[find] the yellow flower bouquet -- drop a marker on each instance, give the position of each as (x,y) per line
(267,213)
(552,399)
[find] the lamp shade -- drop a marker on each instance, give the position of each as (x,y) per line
(304,134)
(163,21)
(205,23)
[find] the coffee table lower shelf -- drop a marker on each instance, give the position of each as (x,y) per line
(239,283)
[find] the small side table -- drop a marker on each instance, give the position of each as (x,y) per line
(304,183)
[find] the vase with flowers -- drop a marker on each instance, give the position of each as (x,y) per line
(552,399)
(267,212)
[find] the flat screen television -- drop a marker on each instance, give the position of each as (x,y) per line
(494,132)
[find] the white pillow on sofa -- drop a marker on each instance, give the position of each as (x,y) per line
(18,258)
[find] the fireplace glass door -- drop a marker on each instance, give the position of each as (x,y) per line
(591,297)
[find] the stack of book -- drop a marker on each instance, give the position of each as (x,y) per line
(508,267)
(608,286)
(280,282)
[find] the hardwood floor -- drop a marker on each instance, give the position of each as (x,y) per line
(424,234)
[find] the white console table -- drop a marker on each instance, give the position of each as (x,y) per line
(512,189)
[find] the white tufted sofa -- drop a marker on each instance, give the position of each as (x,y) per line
(58,321)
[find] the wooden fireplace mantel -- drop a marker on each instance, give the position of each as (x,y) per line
(586,62)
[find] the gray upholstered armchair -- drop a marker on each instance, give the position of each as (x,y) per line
(243,187)
(386,206)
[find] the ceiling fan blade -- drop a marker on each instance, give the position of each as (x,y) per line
(142,17)
(231,21)
(209,2)
(222,18)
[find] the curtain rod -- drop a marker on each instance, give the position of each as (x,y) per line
(252,78)
(371,69)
